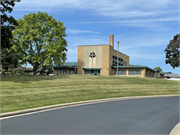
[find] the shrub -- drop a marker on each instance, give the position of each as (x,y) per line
(3,73)
(11,67)
(13,72)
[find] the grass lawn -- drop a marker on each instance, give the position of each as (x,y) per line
(25,92)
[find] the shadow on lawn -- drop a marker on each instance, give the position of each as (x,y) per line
(28,78)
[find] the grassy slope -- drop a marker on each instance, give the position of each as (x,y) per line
(25,92)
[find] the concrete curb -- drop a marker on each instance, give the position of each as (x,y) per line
(77,103)
(176,130)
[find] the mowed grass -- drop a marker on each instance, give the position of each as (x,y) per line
(25,92)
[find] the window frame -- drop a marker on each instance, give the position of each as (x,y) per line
(120,72)
(134,72)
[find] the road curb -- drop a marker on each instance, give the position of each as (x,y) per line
(176,130)
(78,103)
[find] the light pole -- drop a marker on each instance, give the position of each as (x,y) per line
(117,57)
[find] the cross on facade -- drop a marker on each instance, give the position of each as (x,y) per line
(92,55)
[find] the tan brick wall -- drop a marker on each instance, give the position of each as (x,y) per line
(143,72)
(107,52)
(121,55)
(80,59)
(106,60)
(151,73)
(111,40)
(127,72)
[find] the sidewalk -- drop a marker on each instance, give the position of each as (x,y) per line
(176,130)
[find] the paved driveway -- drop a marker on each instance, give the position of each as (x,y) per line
(134,116)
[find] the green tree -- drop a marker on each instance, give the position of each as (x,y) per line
(172,52)
(168,72)
(40,38)
(7,26)
(158,68)
(43,69)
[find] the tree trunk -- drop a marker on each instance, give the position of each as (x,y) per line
(35,66)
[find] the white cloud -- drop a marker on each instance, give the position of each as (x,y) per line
(111,8)
(32,9)
(160,19)
(80,31)
(135,13)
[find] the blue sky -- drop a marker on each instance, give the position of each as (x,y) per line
(143,27)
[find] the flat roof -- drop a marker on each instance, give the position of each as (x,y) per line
(66,65)
(172,75)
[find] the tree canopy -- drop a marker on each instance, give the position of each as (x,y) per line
(7,26)
(168,72)
(39,38)
(158,68)
(172,52)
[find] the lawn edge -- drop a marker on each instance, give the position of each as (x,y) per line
(78,103)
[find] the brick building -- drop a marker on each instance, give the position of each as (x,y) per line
(102,60)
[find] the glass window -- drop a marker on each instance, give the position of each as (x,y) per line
(115,72)
(149,74)
(120,72)
(146,73)
(61,71)
(71,72)
(134,72)
(86,72)
(114,61)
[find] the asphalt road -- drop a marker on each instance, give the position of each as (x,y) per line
(133,116)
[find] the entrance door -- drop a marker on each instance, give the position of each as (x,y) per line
(96,72)
(86,72)
(92,72)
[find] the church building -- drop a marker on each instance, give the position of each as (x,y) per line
(104,60)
